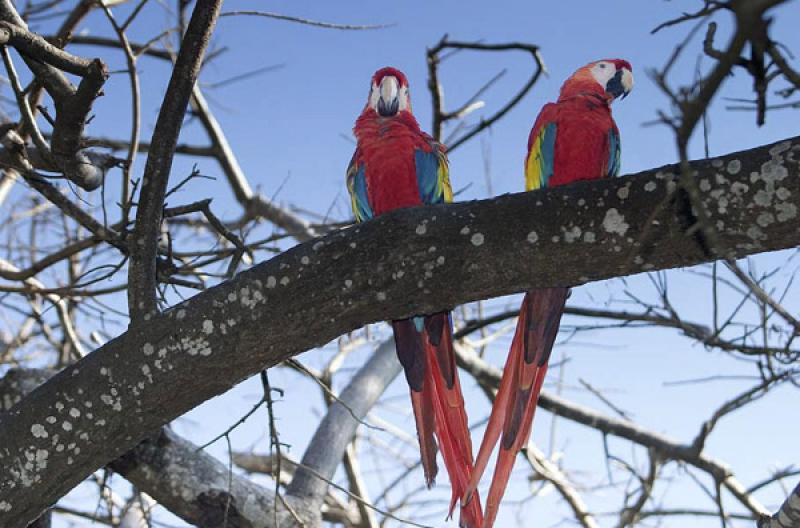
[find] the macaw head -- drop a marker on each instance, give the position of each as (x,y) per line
(610,78)
(388,94)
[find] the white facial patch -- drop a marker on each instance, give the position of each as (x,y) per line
(603,72)
(374,95)
(403,99)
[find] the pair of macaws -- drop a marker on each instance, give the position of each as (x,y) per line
(398,165)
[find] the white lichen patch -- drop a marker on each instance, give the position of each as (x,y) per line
(148,349)
(572,234)
(271,282)
(532,237)
(38,431)
(755,233)
(773,171)
(196,346)
(763,198)
(780,148)
(650,186)
(614,222)
(661,175)
(623,192)
(765,219)
(786,211)
(381,296)
(734,166)
(112,402)
(5,506)
(739,188)
(208,326)
(348,283)
(304,260)
(477,239)
(464,230)
(421,229)
(284,280)
(147,373)
(589,237)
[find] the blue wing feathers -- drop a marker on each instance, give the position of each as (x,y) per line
(614,153)
(548,152)
(427,164)
(357,185)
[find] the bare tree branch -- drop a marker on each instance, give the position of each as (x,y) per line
(142,275)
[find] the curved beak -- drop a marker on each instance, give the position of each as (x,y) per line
(621,84)
(388,102)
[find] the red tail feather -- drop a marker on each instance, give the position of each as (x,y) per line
(429,362)
(422,403)
(515,403)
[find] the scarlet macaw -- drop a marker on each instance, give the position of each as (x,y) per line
(398,165)
(572,140)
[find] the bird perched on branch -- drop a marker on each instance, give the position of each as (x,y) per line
(573,139)
(398,165)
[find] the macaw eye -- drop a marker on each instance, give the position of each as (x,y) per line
(602,65)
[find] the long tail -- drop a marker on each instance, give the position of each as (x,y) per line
(425,349)
(515,402)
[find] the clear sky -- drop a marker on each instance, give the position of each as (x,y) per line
(291,128)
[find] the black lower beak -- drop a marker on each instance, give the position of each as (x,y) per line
(388,109)
(614,86)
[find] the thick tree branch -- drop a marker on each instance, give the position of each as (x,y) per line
(197,487)
(417,260)
(142,276)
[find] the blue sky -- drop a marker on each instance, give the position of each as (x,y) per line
(290,129)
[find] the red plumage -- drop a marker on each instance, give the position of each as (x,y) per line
(386,150)
(582,149)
